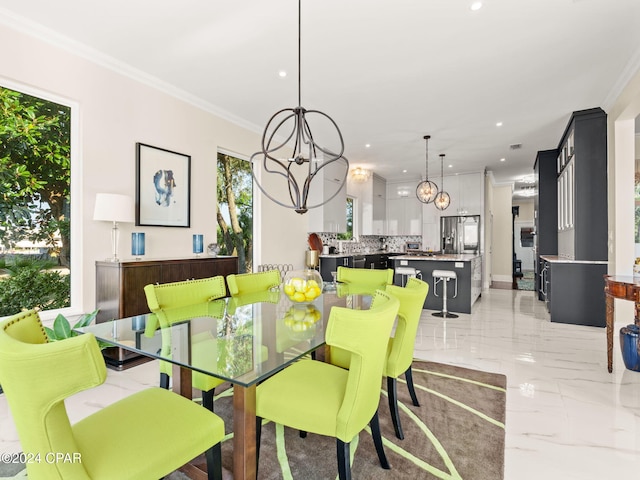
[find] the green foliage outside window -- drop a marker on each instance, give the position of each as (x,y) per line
(349,233)
(32,284)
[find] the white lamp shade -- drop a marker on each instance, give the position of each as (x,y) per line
(111,207)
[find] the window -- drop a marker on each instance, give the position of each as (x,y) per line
(234,209)
(35,225)
(349,233)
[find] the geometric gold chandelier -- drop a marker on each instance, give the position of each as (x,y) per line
(442,199)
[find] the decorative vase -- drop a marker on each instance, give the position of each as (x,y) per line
(302,286)
(198,244)
(137,244)
(629,346)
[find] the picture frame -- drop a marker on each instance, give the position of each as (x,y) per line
(163,187)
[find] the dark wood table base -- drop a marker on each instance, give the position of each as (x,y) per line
(624,287)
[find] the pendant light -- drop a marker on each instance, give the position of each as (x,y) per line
(294,172)
(426,191)
(443,199)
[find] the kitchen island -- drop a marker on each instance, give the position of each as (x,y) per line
(468,268)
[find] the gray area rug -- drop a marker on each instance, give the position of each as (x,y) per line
(456,433)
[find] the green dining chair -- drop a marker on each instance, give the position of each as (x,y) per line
(317,397)
(399,354)
(133,438)
(184,294)
(365,276)
(245,283)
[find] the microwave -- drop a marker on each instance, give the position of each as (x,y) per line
(412,246)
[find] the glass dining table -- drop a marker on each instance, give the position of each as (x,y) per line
(242,340)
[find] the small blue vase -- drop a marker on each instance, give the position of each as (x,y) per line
(629,346)
(137,244)
(198,244)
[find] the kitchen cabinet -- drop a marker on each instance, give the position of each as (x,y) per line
(545,211)
(574,291)
(373,203)
(582,221)
(470,194)
(332,216)
(330,263)
(404,210)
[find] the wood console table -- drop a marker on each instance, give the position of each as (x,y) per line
(626,287)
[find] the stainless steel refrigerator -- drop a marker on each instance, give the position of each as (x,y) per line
(460,234)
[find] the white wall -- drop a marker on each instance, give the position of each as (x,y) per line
(502,258)
(116,111)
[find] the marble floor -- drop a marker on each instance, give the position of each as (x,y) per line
(567,417)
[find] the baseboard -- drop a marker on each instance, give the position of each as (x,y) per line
(502,285)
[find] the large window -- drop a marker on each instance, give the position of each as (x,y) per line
(234,212)
(35,223)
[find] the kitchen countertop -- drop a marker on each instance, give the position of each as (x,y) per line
(460,257)
(557,259)
(352,254)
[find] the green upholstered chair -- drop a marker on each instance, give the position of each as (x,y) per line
(134,438)
(365,276)
(170,296)
(188,292)
(244,283)
(401,345)
(318,397)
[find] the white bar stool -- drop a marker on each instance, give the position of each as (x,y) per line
(444,276)
(407,272)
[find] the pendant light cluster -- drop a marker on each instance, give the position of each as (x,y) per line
(426,191)
(296,170)
(442,199)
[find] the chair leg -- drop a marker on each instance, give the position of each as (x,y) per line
(207,399)
(164,381)
(344,467)
(377,441)
(258,435)
(214,462)
(408,375)
(393,406)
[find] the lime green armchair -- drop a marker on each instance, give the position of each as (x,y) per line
(125,440)
(399,355)
(365,276)
(321,398)
(186,294)
(244,283)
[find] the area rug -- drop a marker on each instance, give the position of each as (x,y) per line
(458,432)
(527,281)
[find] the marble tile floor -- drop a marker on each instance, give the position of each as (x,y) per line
(567,417)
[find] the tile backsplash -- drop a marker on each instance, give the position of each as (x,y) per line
(370,243)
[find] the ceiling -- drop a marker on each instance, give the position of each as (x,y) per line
(388,72)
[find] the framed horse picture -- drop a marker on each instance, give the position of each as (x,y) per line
(163,187)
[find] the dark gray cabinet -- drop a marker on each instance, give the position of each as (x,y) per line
(545,211)
(331,263)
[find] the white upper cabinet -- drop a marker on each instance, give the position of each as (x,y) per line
(332,216)
(404,210)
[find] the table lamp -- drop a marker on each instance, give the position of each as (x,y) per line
(111,207)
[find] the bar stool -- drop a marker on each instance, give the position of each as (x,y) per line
(444,276)
(407,272)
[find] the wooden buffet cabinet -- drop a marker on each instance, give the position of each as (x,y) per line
(120,289)
(119,286)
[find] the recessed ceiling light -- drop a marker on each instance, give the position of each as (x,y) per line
(450,166)
(499,124)
(502,159)
(282,74)
(367,145)
(476,6)
(404,171)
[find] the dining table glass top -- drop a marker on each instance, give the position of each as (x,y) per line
(243,340)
